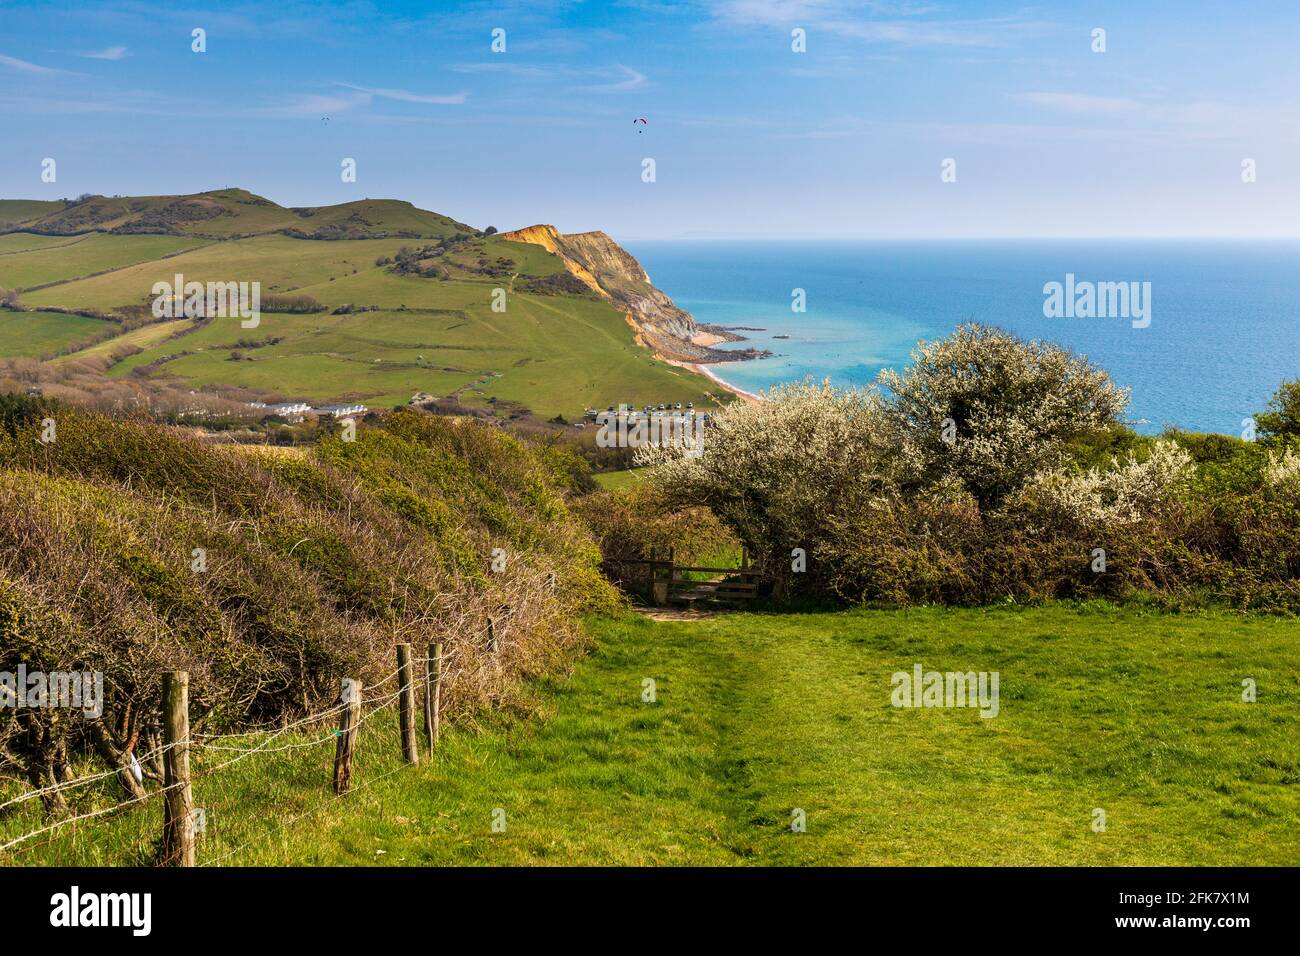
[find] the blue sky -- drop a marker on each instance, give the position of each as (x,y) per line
(750,138)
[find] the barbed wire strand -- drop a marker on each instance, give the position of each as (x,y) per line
(197,740)
(205,772)
(202,743)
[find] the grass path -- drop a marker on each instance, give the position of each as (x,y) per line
(756,715)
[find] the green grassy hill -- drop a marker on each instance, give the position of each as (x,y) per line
(225,213)
(425,323)
(373,217)
(16,212)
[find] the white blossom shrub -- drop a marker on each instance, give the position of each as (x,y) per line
(1128,492)
(1282,470)
(777,472)
(1010,408)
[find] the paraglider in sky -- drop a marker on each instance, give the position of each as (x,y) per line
(642,121)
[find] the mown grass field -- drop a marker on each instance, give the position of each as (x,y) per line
(1137,713)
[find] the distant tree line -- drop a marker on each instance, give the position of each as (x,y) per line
(291,304)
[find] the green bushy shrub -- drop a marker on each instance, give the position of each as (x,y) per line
(315,564)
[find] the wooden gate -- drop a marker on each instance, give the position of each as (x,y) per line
(671,582)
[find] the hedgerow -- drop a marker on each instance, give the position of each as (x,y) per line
(130,548)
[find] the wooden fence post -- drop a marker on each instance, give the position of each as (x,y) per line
(433,695)
(349,719)
(661,589)
(178,802)
(406,704)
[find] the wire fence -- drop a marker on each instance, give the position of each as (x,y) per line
(248,788)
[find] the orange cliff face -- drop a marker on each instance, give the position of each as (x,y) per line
(549,238)
(614,274)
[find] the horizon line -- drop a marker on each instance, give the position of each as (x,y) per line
(1024,238)
(731,237)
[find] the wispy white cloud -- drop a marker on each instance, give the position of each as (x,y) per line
(22,66)
(985,134)
(1195,119)
(319,104)
(315,105)
(899,24)
(109,53)
(1081,102)
(632,81)
(592,78)
(513,69)
(405,96)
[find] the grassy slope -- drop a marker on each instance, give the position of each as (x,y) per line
(15,242)
(33,334)
(143,337)
(554,354)
(14,212)
(244,213)
(62,259)
(1139,714)
(618,479)
(551,354)
(278,262)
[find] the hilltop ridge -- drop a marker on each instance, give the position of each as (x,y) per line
(224,214)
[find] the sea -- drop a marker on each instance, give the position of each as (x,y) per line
(1221,332)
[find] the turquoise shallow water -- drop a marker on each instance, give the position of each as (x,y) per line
(1225,315)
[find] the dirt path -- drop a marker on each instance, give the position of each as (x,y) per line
(675,613)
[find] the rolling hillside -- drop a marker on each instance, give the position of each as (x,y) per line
(16,212)
(223,214)
(404,305)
